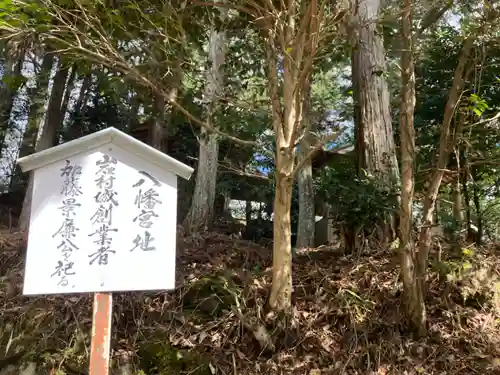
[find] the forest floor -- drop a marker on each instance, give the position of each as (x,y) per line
(347,317)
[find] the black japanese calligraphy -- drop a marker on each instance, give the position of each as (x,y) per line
(67,231)
(68,207)
(146,200)
(144,242)
(141,181)
(106,198)
(62,270)
(101,255)
(71,180)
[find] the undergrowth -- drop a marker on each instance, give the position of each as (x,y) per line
(347,317)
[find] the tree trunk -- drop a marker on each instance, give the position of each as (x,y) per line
(158,125)
(375,148)
(76,130)
(477,205)
(458,217)
(11,82)
(281,292)
(47,136)
(38,98)
(200,215)
(412,288)
(83,94)
(306,225)
(464,178)
(442,159)
(67,92)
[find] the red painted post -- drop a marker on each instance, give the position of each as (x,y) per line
(101,334)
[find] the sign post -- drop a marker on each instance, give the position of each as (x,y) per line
(101,334)
(103,209)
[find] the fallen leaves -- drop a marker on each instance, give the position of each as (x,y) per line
(347,317)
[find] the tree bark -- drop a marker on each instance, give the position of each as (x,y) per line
(67,92)
(158,125)
(464,179)
(375,147)
(200,215)
(281,291)
(306,225)
(412,288)
(38,98)
(11,82)
(287,93)
(47,136)
(477,205)
(442,159)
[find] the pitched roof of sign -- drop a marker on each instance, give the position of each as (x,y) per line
(100,138)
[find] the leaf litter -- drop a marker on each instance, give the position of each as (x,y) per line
(347,316)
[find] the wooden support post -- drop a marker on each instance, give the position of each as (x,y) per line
(101,334)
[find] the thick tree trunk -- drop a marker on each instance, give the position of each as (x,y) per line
(442,160)
(200,215)
(306,225)
(412,287)
(375,148)
(47,136)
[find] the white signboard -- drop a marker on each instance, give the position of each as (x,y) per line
(103,220)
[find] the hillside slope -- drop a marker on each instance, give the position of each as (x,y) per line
(347,318)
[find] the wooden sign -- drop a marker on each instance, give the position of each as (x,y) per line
(103,219)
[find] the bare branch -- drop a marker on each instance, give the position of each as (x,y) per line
(318,147)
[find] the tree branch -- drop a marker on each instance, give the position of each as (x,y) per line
(318,146)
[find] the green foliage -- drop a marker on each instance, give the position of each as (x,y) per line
(357,201)
(162,358)
(477,104)
(474,275)
(212,295)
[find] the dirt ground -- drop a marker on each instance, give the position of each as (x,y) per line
(347,317)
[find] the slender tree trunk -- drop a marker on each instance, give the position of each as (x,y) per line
(287,118)
(11,82)
(464,178)
(200,215)
(48,135)
(83,94)
(442,160)
(306,225)
(175,83)
(281,291)
(477,205)
(38,98)
(412,288)
(70,84)
(158,125)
